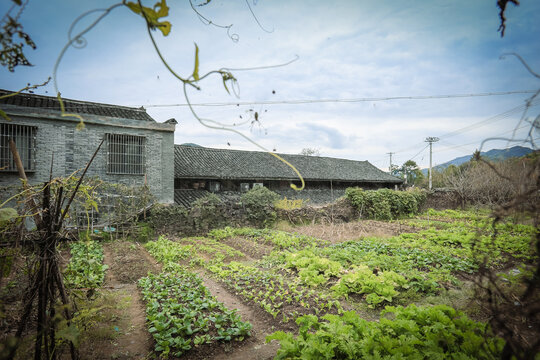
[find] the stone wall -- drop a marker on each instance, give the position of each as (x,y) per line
(314,196)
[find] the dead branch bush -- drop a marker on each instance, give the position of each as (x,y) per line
(514,308)
(479,183)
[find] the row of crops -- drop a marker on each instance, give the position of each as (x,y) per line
(181,312)
(315,284)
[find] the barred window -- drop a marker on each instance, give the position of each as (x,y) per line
(25,140)
(125,154)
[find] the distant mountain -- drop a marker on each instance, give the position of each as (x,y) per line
(493,155)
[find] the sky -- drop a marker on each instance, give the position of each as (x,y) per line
(352,79)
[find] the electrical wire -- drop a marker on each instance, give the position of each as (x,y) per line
(492,119)
(351,100)
(476,142)
(504,115)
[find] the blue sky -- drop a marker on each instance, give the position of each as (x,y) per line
(344,50)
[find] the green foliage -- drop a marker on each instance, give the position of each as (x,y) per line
(7,215)
(472,234)
(259,206)
(144,232)
(385,204)
(208,202)
(153,15)
(313,270)
(410,172)
(166,251)
(437,332)
(270,290)
(276,238)
(182,313)
(7,255)
(217,251)
(85,268)
(267,289)
(378,288)
(207,213)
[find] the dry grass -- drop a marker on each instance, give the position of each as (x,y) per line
(340,232)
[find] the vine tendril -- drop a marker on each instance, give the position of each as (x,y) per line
(218,126)
(234,36)
(528,103)
(70,42)
(255,17)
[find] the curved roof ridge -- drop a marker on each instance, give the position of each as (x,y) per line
(212,163)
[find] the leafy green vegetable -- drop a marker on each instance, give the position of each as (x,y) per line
(181,312)
(85,268)
(438,332)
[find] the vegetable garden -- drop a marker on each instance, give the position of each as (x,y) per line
(404,297)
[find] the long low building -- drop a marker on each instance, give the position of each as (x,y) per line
(198,170)
(138,150)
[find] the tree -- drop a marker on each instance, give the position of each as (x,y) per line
(12,53)
(410,172)
(310,152)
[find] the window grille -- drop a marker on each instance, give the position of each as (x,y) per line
(25,140)
(125,154)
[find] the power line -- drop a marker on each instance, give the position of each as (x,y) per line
(419,152)
(498,117)
(351,100)
(478,142)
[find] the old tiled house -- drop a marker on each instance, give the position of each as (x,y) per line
(137,149)
(198,170)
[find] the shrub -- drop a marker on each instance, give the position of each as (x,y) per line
(143,232)
(205,213)
(259,206)
(385,204)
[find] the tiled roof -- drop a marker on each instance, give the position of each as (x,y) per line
(186,197)
(192,162)
(75,106)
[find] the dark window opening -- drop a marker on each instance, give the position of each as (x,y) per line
(25,141)
(125,154)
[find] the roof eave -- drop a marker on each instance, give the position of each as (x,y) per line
(37,113)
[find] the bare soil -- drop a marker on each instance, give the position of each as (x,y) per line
(252,249)
(253,347)
(341,232)
(128,338)
(12,292)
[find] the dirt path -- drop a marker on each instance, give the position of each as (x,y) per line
(254,347)
(132,340)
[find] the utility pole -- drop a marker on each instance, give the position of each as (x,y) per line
(431,140)
(390,168)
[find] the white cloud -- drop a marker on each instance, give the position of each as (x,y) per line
(346,49)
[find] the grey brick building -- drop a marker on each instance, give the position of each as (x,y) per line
(137,149)
(199,170)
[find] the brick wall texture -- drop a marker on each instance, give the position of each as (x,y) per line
(73,148)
